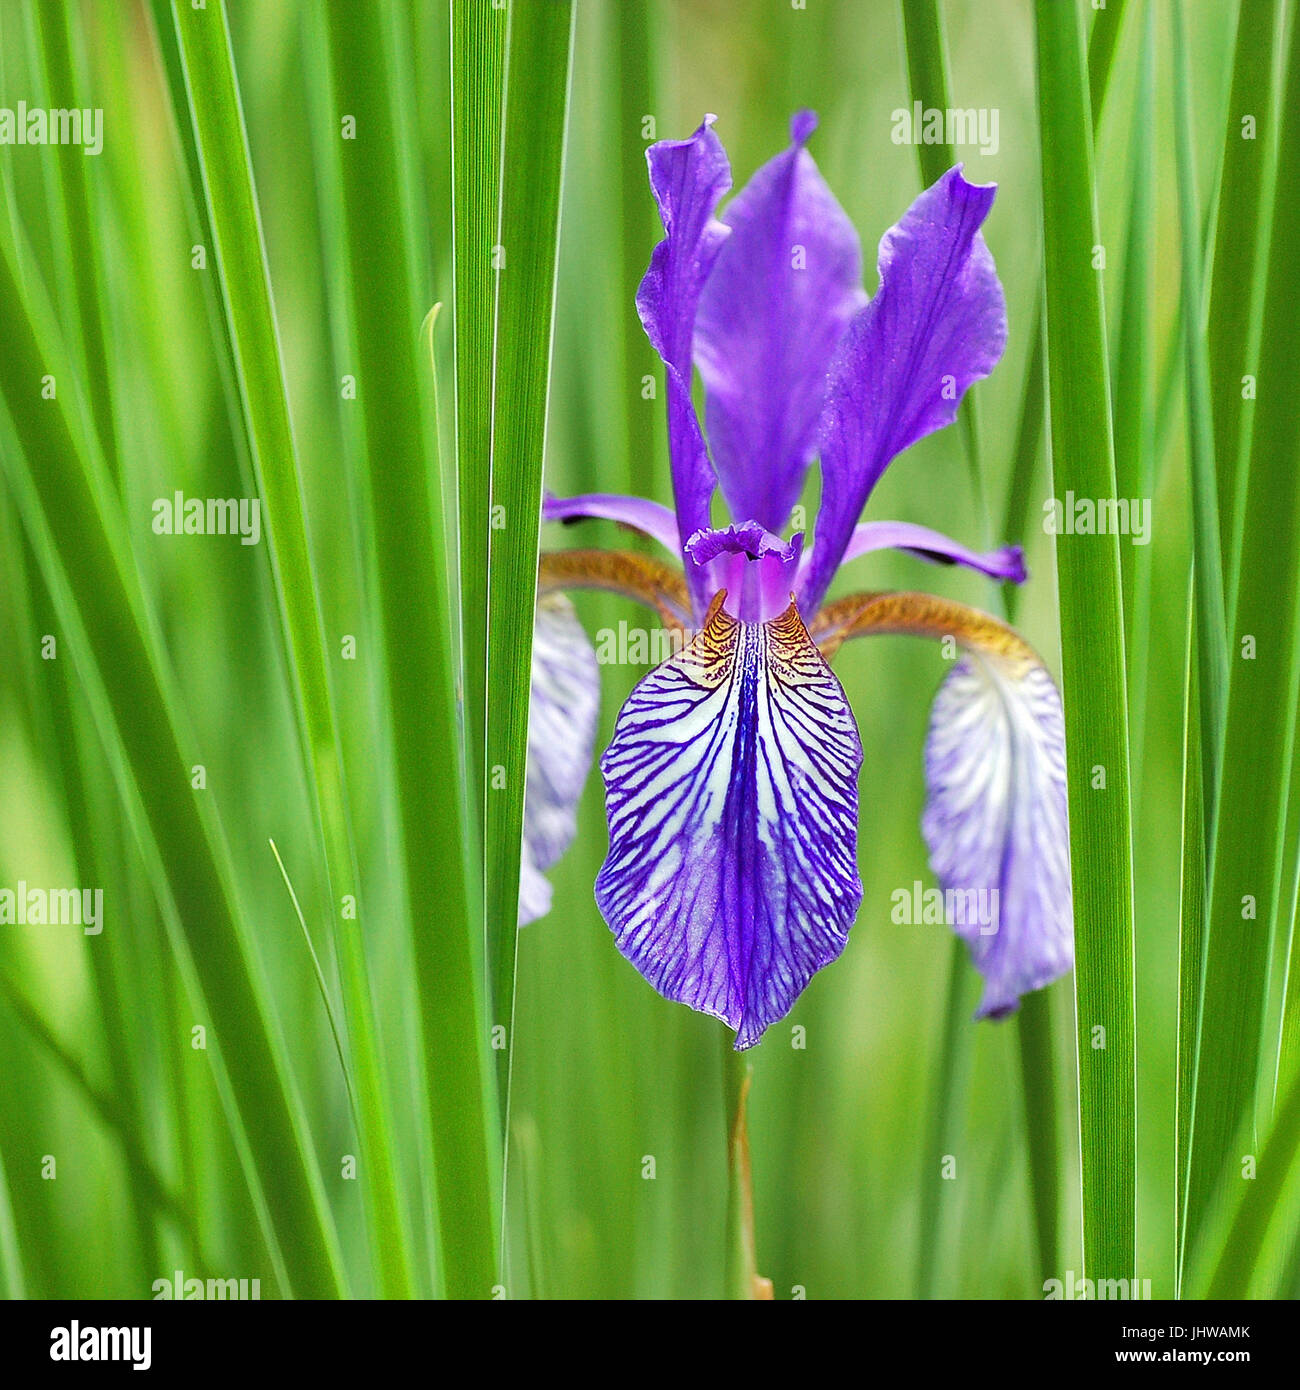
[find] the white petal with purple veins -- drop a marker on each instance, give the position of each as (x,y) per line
(996,822)
(562,714)
(731,793)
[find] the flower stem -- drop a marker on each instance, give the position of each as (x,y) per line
(742,1278)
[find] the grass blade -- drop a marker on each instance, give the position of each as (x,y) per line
(203,37)
(1191,927)
(1239,241)
(1133,381)
(537,77)
(1212,637)
(419,636)
(79,535)
(478,48)
(1092,649)
(1248,855)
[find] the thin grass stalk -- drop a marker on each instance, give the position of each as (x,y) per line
(741,1279)
(1103,42)
(58,33)
(1191,925)
(927,72)
(925,48)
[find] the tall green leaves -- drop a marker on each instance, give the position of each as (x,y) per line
(1240,225)
(537,76)
(478,47)
(510,98)
(1248,858)
(1092,649)
(215,110)
(80,537)
(417,619)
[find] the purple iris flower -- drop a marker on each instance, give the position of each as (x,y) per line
(732,777)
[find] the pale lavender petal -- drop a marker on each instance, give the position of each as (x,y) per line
(731,793)
(687,177)
(936,324)
(785,285)
(564,705)
(996,822)
(756,568)
(1007,563)
(651,518)
(534,889)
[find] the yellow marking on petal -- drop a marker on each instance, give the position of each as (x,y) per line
(657,585)
(920,615)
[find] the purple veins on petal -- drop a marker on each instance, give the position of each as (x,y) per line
(731,795)
(564,704)
(786,283)
(937,323)
(996,822)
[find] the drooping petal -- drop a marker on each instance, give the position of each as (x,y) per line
(785,285)
(638,577)
(652,519)
(996,823)
(687,178)
(996,818)
(756,568)
(731,793)
(534,889)
(564,705)
(1007,563)
(937,323)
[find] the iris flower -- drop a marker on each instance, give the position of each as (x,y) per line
(731,781)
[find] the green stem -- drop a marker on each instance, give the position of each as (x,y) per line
(742,1279)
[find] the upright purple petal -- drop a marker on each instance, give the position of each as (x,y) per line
(564,704)
(687,178)
(652,519)
(784,288)
(731,792)
(936,324)
(996,822)
(1007,563)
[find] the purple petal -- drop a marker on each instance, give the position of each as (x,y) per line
(996,822)
(651,518)
(937,323)
(564,704)
(687,177)
(785,285)
(1007,563)
(731,792)
(757,569)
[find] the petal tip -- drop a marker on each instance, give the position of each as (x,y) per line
(802,125)
(957,175)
